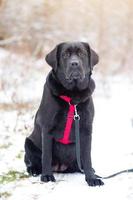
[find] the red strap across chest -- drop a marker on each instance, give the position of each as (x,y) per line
(69,121)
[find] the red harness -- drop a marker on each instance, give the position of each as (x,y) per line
(69,121)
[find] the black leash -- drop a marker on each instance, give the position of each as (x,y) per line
(115,174)
(77,136)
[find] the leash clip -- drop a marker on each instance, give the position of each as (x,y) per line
(76,115)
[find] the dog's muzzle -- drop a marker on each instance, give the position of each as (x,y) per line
(74,72)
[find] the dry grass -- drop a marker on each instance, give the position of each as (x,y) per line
(18,106)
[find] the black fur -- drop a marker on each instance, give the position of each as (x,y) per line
(71,64)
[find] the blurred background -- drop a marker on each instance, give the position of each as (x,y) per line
(29,29)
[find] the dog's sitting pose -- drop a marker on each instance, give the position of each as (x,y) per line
(51,146)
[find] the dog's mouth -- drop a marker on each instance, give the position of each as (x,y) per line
(75,76)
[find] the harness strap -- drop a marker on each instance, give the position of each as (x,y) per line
(70,117)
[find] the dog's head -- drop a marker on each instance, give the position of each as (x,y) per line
(72,64)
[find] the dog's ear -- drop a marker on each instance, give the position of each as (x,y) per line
(51,58)
(93,57)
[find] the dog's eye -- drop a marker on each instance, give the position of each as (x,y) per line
(81,54)
(66,55)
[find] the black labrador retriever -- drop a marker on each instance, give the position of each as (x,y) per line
(51,146)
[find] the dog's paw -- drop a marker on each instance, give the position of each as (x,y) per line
(94,182)
(47,178)
(33,171)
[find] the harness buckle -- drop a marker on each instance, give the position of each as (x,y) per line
(76,115)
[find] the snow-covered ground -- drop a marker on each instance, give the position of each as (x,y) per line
(112,148)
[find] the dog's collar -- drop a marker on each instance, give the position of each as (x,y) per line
(71,115)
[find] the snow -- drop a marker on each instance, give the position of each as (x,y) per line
(73,186)
(112,148)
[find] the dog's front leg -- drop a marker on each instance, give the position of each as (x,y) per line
(47,174)
(90,176)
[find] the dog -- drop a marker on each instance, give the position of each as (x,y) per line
(50,148)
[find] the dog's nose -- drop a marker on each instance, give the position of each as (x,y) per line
(74,63)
